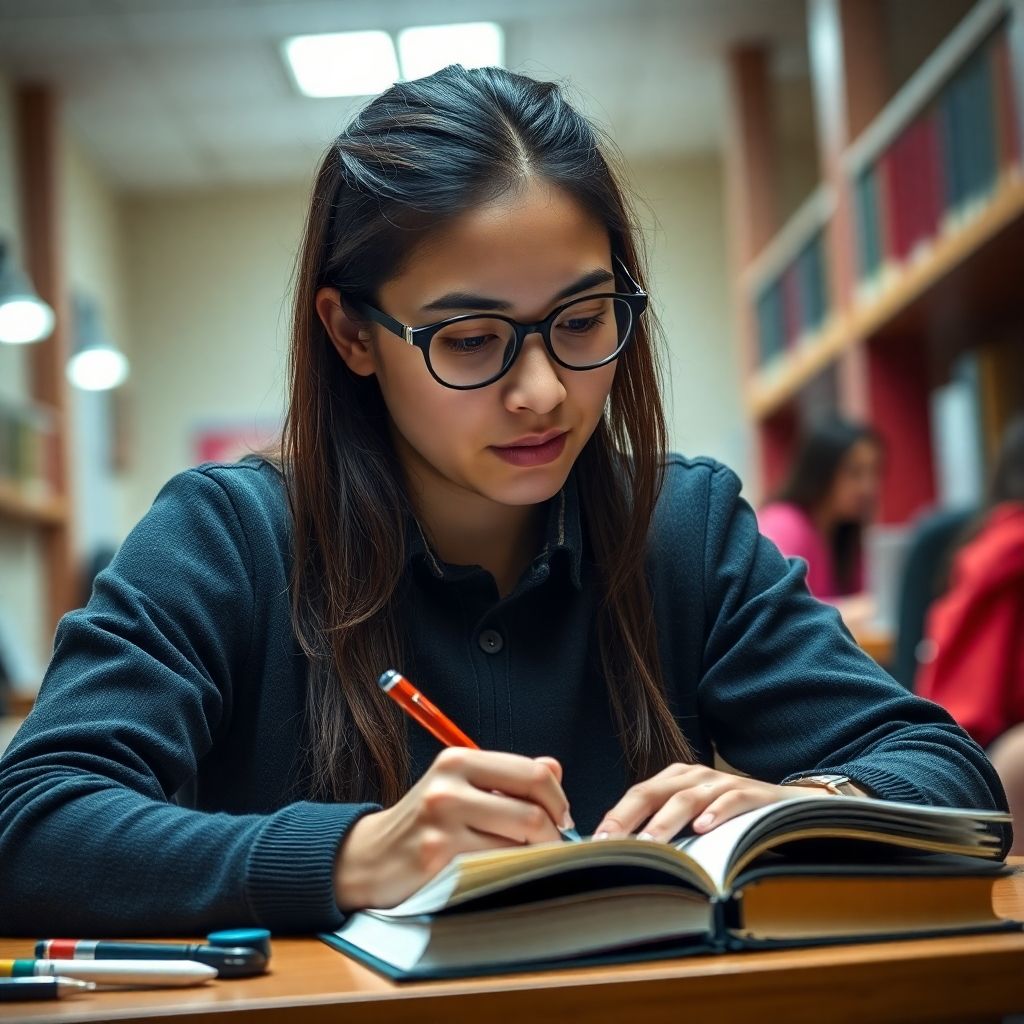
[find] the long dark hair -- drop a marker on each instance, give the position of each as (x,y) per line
(413,158)
(822,448)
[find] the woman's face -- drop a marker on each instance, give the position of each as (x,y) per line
(522,252)
(855,489)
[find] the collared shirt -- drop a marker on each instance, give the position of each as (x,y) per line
(161,770)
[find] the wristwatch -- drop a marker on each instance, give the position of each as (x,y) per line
(839,785)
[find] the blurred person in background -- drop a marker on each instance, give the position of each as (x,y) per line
(821,512)
(974,636)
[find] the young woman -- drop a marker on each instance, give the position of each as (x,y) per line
(473,489)
(820,513)
(975,630)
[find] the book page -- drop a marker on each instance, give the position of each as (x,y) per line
(473,875)
(734,843)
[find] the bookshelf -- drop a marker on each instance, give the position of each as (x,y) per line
(915,236)
(34,485)
(17,506)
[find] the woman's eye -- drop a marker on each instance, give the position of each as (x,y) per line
(473,344)
(580,324)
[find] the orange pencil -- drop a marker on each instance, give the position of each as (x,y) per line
(435,721)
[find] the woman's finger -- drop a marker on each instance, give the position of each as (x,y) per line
(515,775)
(508,818)
(683,806)
(729,804)
(638,804)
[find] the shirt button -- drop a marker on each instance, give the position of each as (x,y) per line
(490,641)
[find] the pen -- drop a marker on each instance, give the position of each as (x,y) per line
(400,690)
(18,989)
(230,962)
(113,972)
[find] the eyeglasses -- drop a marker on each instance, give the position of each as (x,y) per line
(472,351)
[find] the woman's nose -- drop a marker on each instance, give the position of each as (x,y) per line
(533,380)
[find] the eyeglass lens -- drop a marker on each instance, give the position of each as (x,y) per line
(584,334)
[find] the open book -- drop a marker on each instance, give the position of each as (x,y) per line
(797,872)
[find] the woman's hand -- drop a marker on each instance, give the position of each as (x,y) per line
(467,800)
(682,793)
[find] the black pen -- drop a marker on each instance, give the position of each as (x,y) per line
(17,989)
(230,962)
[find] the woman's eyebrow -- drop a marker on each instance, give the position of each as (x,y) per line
(466,300)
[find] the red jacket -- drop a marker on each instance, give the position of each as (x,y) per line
(977,631)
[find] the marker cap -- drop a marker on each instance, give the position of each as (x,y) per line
(254,938)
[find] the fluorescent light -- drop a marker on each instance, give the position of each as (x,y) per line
(25,319)
(424,50)
(97,369)
(97,364)
(342,63)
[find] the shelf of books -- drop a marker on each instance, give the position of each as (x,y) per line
(28,492)
(935,193)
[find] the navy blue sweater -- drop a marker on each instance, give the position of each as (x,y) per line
(158,784)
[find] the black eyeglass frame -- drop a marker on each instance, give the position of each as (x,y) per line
(421,337)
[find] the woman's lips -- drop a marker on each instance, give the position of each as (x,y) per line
(532,454)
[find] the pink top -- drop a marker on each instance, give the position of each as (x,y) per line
(796,536)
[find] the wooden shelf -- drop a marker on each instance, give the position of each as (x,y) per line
(967,276)
(920,295)
(22,508)
(772,386)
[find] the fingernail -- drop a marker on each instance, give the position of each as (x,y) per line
(646,836)
(704,820)
(567,821)
(603,835)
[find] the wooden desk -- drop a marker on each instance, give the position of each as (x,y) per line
(957,979)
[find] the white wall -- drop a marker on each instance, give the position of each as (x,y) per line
(208,277)
(683,215)
(94,243)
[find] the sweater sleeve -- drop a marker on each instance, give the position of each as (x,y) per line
(786,692)
(138,689)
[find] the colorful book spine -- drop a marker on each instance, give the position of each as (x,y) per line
(869,241)
(943,165)
(793,306)
(1007,123)
(771,328)
(792,313)
(27,441)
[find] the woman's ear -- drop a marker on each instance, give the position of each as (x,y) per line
(349,337)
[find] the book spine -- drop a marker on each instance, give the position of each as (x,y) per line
(952,148)
(793,314)
(985,105)
(820,266)
(726,919)
(893,167)
(1006,109)
(769,321)
(932,167)
(866,210)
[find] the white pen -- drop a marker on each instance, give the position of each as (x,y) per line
(155,973)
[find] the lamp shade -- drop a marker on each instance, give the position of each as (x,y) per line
(96,363)
(24,317)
